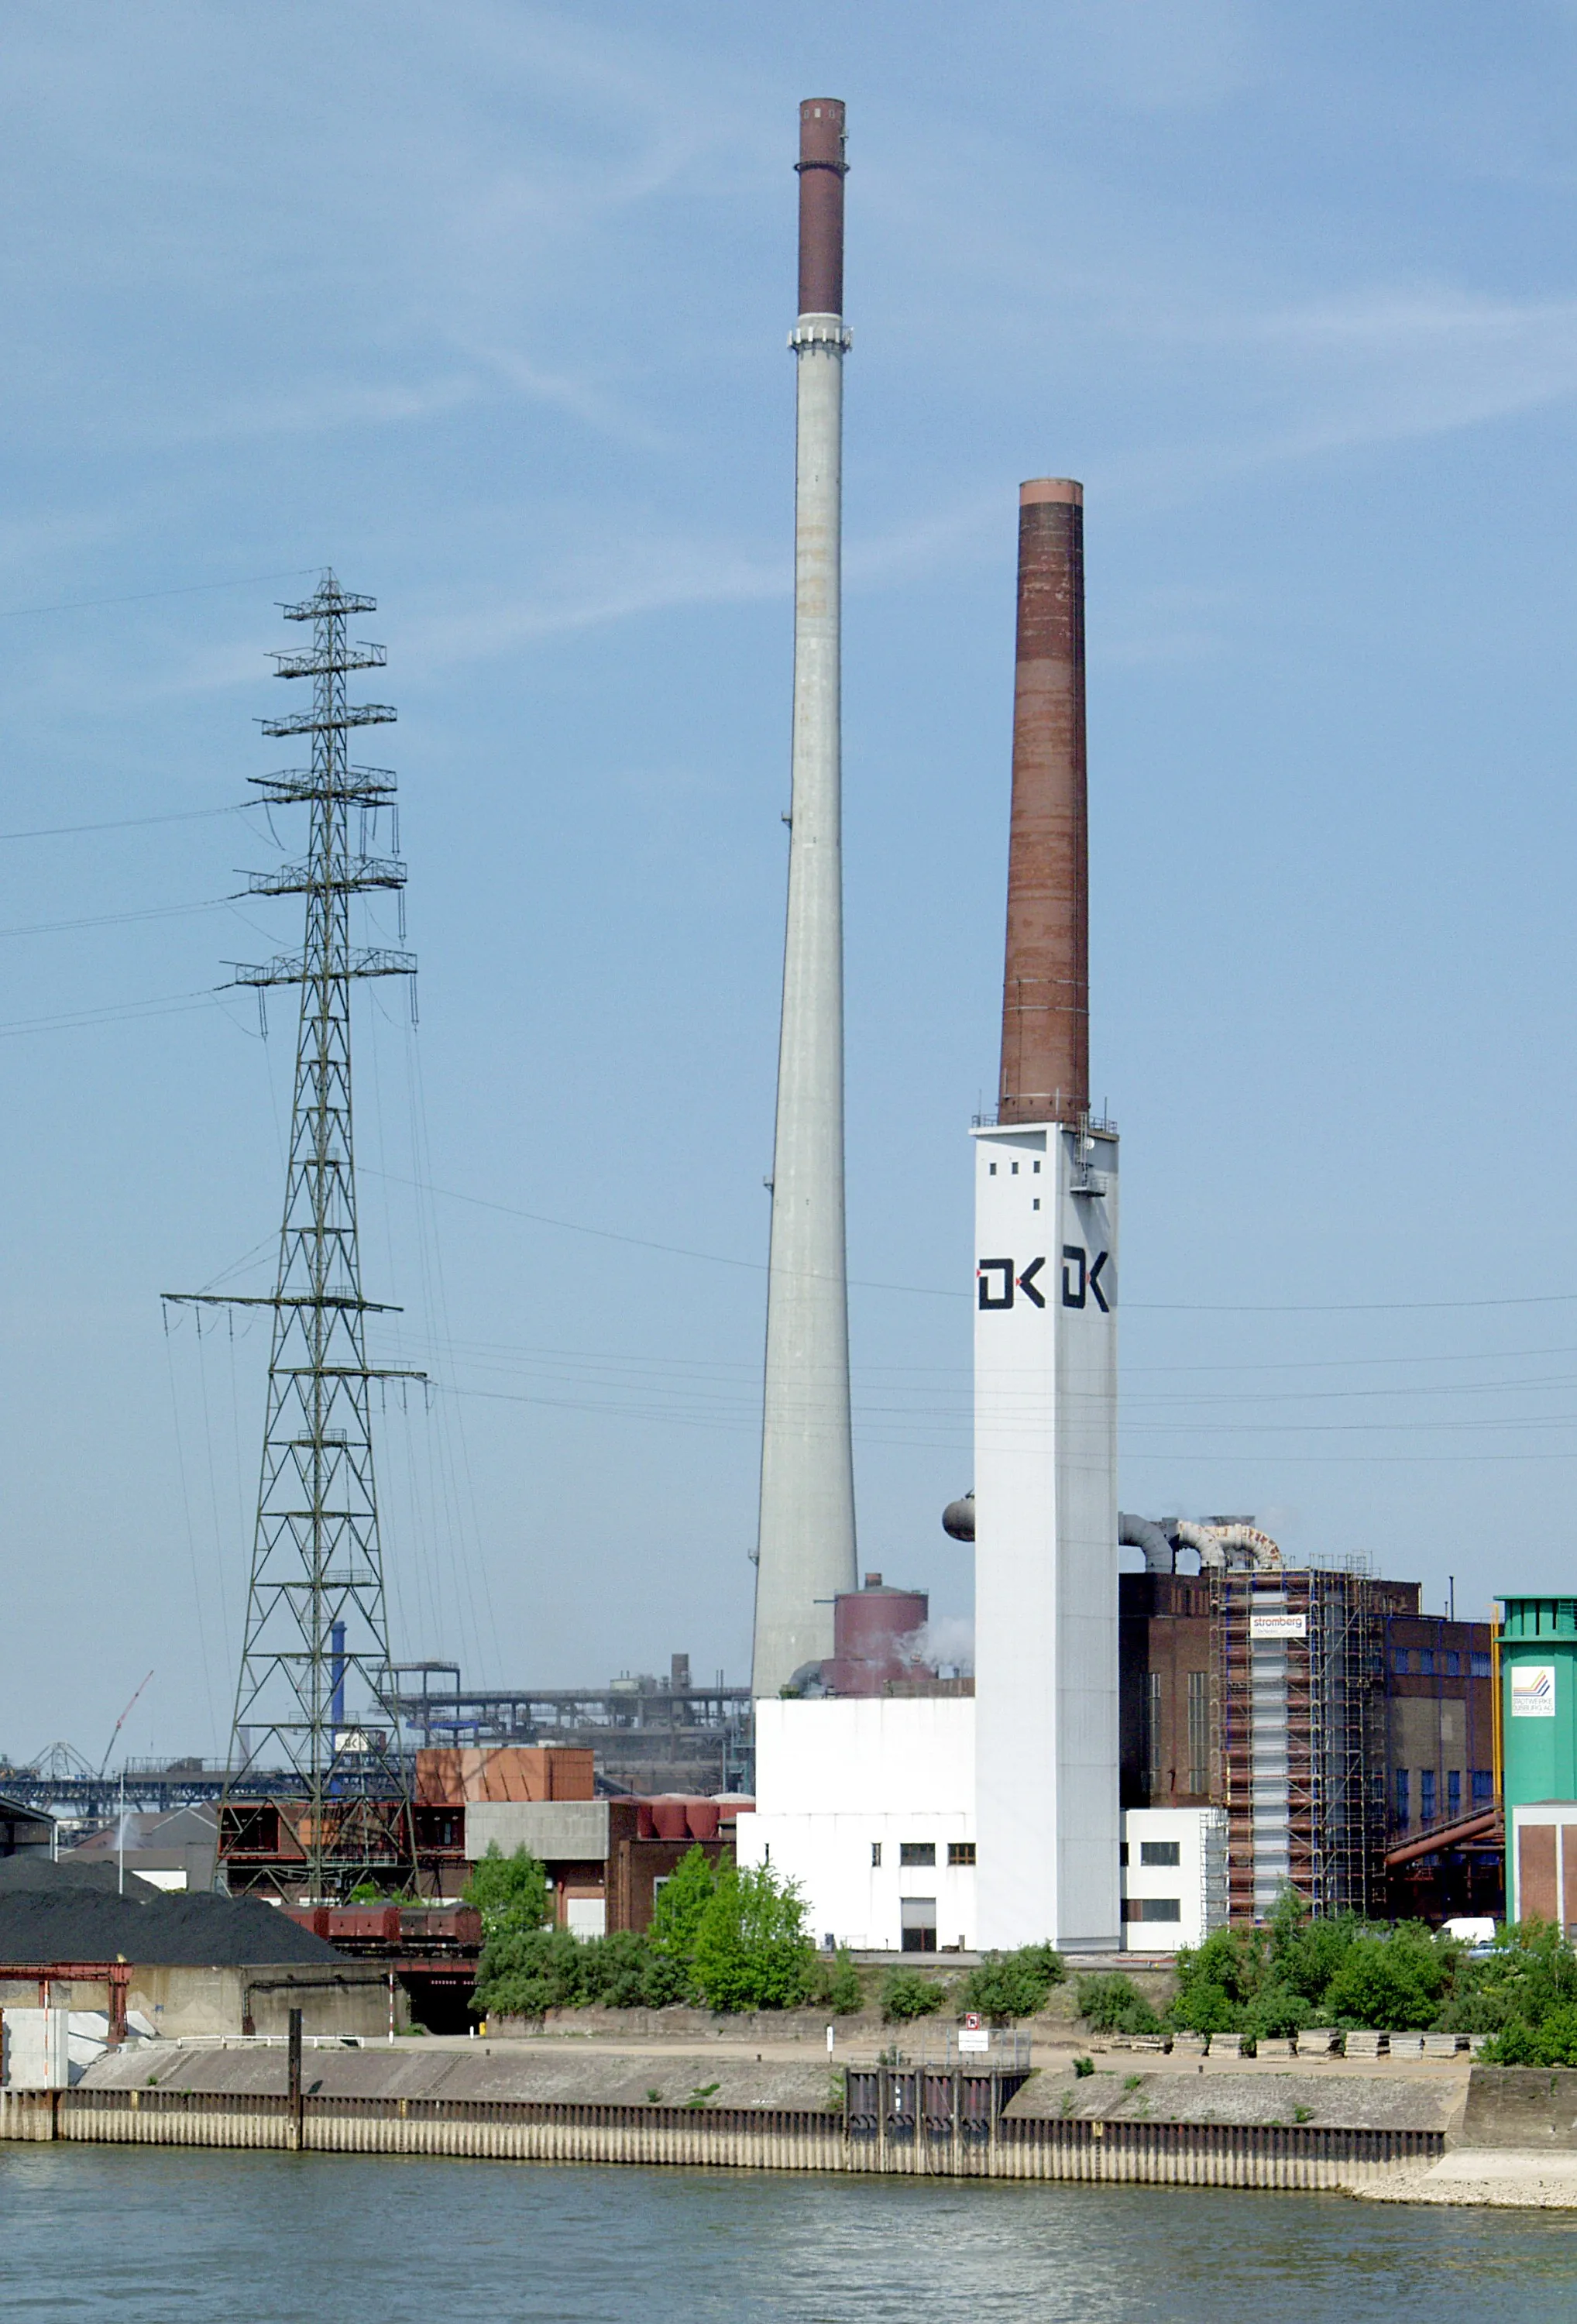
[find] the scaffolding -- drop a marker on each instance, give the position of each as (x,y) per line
(1297,1708)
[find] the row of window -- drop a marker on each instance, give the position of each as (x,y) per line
(924,1851)
(1429,1792)
(1424,1662)
(1154,1851)
(1152,1908)
(1034,1166)
(1198,1732)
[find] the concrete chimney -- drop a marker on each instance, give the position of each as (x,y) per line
(804,1553)
(1045,1196)
(1046,985)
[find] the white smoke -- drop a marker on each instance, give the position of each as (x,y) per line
(944,1644)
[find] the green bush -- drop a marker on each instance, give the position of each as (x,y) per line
(1552,2042)
(751,1950)
(1113,2004)
(842,1989)
(1395,1978)
(907,1994)
(524,1971)
(1007,1986)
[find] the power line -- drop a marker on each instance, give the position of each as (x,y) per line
(146,596)
(127,822)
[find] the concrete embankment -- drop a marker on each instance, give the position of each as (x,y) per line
(529,2102)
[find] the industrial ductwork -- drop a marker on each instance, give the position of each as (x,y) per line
(1145,1533)
(1224,1543)
(1220,1544)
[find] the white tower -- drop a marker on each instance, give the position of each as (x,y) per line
(806,1543)
(1046,1326)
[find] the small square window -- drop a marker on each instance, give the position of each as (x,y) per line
(875,1854)
(1401,1662)
(916,1851)
(1036,1168)
(1479,1665)
(1035,1206)
(1160,1851)
(1426,1662)
(991,1168)
(1014,1167)
(1453,1664)
(961,1852)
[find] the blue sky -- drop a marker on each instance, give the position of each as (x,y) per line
(486,305)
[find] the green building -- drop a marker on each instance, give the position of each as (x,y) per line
(1538,1746)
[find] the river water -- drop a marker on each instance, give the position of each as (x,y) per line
(161,2236)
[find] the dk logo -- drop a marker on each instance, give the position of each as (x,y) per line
(999,1280)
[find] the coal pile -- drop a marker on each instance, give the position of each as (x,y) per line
(73,1913)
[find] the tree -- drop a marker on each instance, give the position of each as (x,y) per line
(508,1891)
(678,1912)
(750,1948)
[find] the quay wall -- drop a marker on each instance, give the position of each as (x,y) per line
(1166,2153)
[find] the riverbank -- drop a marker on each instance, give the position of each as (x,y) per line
(1442,2132)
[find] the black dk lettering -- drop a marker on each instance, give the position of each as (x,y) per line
(1100,1301)
(997,1293)
(1027,1284)
(1072,1285)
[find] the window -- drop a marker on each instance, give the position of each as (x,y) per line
(1153,1731)
(1426,1662)
(1036,1168)
(916,1851)
(1160,1851)
(917,1917)
(1404,1812)
(1478,1665)
(1453,1791)
(1483,1787)
(1453,1664)
(1035,1206)
(1122,1853)
(1198,1733)
(1427,1795)
(961,1852)
(875,1855)
(1014,1167)
(1152,1908)
(1401,1662)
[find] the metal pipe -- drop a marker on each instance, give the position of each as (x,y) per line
(1046,996)
(806,1543)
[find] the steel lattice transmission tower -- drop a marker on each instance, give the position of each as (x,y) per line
(315,1688)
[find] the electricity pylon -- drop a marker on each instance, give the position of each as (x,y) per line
(315,1693)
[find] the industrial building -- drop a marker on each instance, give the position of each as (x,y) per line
(1322,1712)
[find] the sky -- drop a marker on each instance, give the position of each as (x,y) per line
(486,306)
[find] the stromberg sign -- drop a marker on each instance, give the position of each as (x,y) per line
(1278,1626)
(1532,1689)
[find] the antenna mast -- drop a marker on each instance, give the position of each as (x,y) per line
(316,1621)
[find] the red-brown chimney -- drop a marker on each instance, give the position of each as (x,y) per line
(822,170)
(1046,985)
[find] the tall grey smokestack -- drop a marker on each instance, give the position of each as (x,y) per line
(805,1542)
(1046,985)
